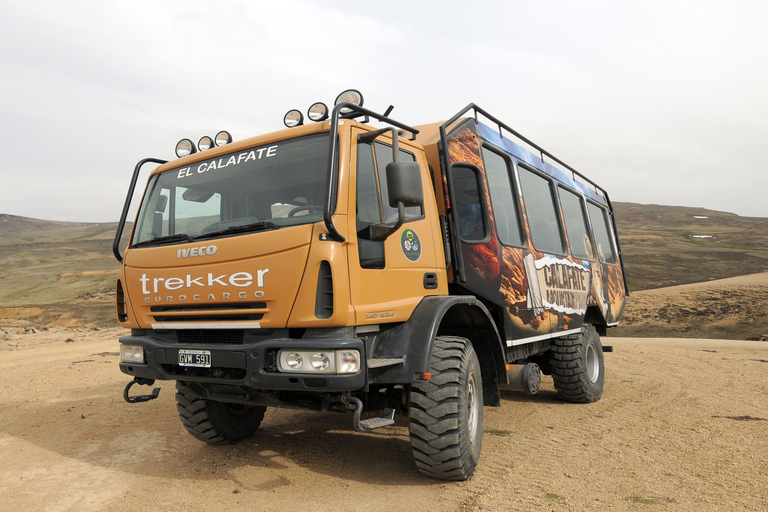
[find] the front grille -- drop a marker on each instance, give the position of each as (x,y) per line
(238,312)
(211,336)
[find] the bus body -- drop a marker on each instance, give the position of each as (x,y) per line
(336,266)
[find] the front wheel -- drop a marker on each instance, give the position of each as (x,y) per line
(578,369)
(446,412)
(216,422)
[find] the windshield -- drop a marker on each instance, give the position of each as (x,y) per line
(265,187)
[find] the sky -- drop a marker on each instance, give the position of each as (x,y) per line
(659,102)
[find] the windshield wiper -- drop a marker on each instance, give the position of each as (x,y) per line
(256,226)
(181,237)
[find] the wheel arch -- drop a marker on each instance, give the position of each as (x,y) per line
(446,315)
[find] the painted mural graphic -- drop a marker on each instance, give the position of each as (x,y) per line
(540,293)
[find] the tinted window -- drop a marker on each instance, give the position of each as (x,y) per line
(601,230)
(502,198)
(468,204)
(542,215)
(576,225)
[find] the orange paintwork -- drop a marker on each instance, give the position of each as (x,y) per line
(288,260)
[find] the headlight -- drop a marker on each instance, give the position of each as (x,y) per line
(319,361)
(294,361)
(132,354)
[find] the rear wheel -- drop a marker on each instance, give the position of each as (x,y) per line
(577,364)
(216,422)
(446,412)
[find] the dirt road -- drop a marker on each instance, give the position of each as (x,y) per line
(683,425)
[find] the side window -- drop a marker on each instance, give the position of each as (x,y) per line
(502,198)
(542,214)
(158,222)
(576,225)
(368,207)
(601,230)
(469,211)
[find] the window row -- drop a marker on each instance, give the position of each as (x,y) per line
(540,200)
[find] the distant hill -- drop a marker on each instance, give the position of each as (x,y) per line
(64,272)
(55,272)
(671,245)
(14,229)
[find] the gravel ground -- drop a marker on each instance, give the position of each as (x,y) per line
(681,426)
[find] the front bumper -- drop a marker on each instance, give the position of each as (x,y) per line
(250,364)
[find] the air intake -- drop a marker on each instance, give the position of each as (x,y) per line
(324,298)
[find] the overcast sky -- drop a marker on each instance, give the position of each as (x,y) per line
(661,102)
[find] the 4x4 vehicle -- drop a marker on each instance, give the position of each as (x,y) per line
(338,266)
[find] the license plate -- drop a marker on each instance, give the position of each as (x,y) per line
(196,358)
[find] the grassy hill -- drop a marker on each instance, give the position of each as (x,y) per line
(671,245)
(64,273)
(57,272)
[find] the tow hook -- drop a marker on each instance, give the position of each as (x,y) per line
(387,418)
(140,398)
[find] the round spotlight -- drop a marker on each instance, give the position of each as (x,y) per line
(294,361)
(205,143)
(349,96)
(185,147)
(320,361)
(293,118)
(318,112)
(223,137)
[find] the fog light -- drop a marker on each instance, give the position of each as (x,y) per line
(131,354)
(293,361)
(185,147)
(347,361)
(320,361)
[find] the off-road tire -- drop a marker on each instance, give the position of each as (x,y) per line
(216,422)
(577,366)
(446,412)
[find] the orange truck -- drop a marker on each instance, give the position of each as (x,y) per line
(341,266)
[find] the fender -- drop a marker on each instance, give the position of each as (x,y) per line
(458,315)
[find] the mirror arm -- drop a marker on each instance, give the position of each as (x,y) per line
(380,232)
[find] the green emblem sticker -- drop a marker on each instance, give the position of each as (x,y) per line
(411,245)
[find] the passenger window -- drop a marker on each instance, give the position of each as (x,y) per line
(601,230)
(542,214)
(468,210)
(576,225)
(502,198)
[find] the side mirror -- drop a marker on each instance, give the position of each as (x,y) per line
(404,189)
(404,184)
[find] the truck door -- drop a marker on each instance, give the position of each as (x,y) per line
(388,278)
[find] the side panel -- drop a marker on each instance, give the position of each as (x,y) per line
(540,293)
